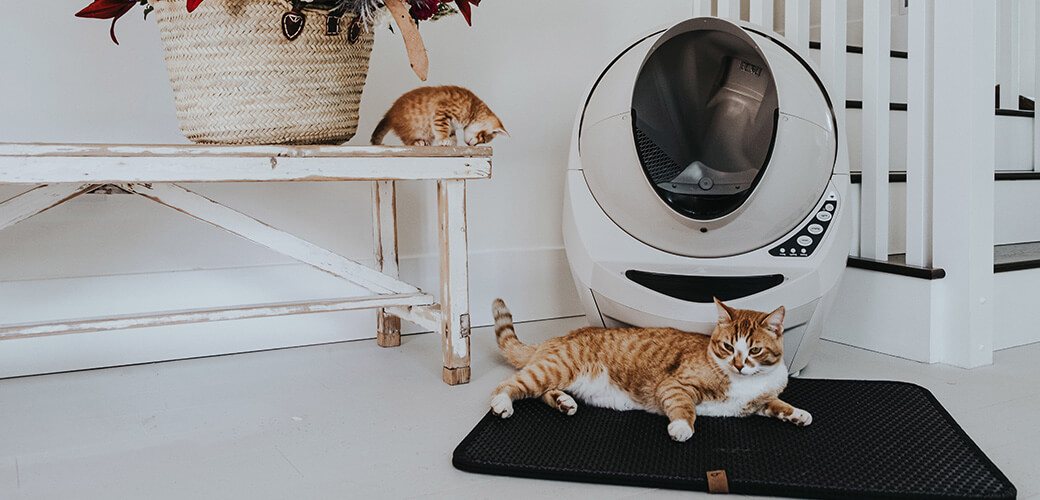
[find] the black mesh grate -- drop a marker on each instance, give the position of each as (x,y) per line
(659,166)
(867,440)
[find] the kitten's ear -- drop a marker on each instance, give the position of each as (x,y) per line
(725,312)
(775,321)
(500,130)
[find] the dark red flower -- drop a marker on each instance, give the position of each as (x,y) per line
(108,9)
(422,10)
(464,8)
(114,9)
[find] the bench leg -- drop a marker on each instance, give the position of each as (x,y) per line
(451,209)
(384,226)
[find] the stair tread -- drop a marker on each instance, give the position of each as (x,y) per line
(1006,257)
(856,49)
(1016,256)
(856,177)
(896,264)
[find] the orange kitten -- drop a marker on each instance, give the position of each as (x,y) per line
(430,115)
(737,371)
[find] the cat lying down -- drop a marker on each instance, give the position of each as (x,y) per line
(737,371)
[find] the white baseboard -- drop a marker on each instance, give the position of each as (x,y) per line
(890,314)
(535,283)
(882,312)
(1014,308)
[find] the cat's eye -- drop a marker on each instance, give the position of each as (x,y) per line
(727,346)
(755,350)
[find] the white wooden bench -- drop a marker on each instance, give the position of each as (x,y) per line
(55,173)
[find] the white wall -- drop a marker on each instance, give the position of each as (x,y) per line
(64,81)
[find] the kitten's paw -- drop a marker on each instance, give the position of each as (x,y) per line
(566,404)
(680,430)
(447,142)
(502,406)
(800,417)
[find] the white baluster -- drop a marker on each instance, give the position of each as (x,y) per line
(877,30)
(1008,57)
(1036,89)
(701,8)
(729,9)
(762,13)
(919,166)
(833,54)
(796,24)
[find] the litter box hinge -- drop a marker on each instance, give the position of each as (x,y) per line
(464,325)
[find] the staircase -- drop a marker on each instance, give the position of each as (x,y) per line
(946,255)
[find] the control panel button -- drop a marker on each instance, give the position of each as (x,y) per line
(829,207)
(804,240)
(823,216)
(815,229)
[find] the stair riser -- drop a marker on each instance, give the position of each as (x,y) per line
(1016,203)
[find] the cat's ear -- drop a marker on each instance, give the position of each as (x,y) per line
(725,312)
(501,131)
(774,323)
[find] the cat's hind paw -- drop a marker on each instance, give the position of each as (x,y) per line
(502,406)
(680,430)
(800,417)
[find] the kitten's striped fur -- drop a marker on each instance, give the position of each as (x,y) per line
(737,371)
(429,116)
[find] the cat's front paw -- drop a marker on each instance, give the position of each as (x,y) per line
(502,406)
(566,404)
(800,417)
(680,430)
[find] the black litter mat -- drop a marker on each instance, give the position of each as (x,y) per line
(867,440)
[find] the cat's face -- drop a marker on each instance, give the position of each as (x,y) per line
(482,131)
(746,342)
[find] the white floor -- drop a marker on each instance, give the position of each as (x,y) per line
(353,420)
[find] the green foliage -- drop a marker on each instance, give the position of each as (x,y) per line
(443,10)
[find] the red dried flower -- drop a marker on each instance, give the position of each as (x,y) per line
(464,8)
(108,9)
(114,9)
(422,10)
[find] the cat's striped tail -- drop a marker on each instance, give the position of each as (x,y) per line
(380,131)
(516,352)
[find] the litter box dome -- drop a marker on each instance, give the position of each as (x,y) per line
(734,134)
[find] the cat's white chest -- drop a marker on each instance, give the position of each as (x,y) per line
(598,390)
(744,390)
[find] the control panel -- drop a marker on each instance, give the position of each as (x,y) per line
(805,241)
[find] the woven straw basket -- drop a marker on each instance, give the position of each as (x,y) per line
(238,80)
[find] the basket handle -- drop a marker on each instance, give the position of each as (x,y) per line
(412,41)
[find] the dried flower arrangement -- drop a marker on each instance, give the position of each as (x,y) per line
(406,13)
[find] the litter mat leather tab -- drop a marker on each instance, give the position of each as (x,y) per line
(867,440)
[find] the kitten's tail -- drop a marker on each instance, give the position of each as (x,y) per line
(516,352)
(381,129)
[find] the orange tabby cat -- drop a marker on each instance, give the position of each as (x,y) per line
(737,371)
(430,115)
